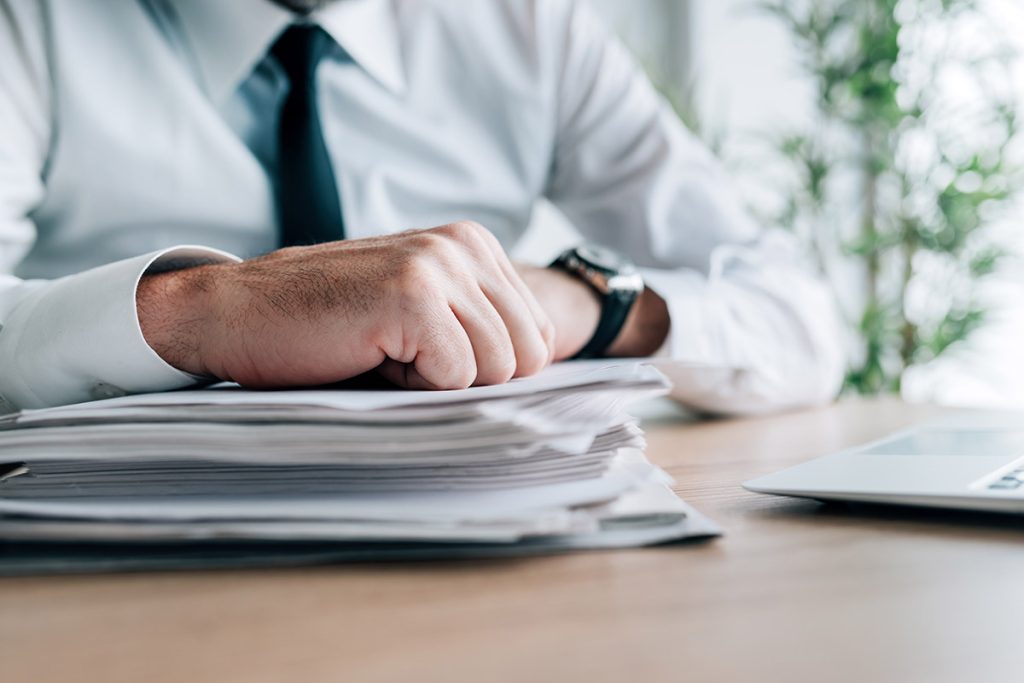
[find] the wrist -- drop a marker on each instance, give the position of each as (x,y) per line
(573,306)
(645,330)
(174,313)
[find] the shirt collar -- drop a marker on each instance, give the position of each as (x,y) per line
(230,38)
(368,30)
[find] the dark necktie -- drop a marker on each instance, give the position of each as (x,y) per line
(309,209)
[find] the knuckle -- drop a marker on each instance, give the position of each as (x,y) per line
(547,330)
(433,246)
(466,232)
(415,270)
(417,281)
(500,369)
(544,324)
(462,377)
(428,241)
(532,361)
(453,370)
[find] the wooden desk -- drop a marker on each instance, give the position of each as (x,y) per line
(795,591)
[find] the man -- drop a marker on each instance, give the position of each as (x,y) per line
(132,127)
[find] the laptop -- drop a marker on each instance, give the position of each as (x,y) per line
(954,464)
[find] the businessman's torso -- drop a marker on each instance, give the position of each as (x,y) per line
(145,154)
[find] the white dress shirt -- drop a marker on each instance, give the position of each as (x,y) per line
(131,127)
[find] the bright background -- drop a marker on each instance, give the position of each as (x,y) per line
(746,82)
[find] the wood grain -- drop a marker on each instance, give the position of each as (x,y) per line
(795,591)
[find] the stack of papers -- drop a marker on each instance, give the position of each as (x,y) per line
(225,476)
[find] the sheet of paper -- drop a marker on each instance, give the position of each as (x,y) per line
(225,475)
(33,558)
(558,377)
(629,471)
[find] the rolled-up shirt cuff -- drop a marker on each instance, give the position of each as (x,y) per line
(690,340)
(758,340)
(704,367)
(78,338)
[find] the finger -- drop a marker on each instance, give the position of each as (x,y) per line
(493,345)
(540,316)
(530,349)
(545,325)
(442,359)
(406,376)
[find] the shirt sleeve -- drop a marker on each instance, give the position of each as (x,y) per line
(753,327)
(76,338)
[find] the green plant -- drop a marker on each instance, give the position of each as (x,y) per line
(915,117)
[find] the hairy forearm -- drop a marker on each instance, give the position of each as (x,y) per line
(174,310)
(429,309)
(281,320)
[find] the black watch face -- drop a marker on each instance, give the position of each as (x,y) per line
(605,259)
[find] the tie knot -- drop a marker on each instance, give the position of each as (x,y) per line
(299,50)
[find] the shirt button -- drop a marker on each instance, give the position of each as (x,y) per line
(102,390)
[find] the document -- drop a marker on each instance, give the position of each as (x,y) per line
(541,464)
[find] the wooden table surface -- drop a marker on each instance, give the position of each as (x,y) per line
(795,591)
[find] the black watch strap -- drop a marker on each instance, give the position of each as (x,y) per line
(615,308)
(615,281)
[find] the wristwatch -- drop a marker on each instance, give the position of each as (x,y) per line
(616,281)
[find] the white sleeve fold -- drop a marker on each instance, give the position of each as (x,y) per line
(78,338)
(759,333)
(753,328)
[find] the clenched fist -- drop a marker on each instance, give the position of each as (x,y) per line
(430,309)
